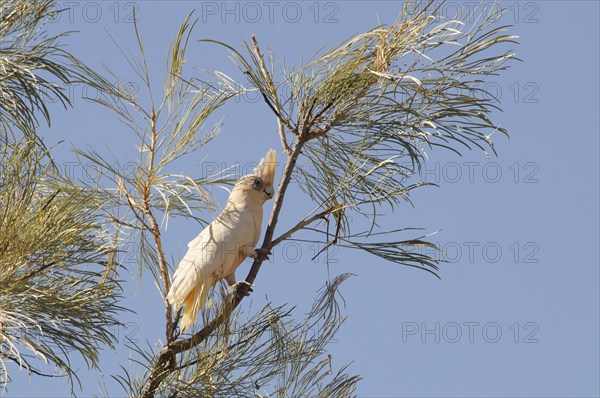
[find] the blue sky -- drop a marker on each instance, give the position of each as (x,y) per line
(516,313)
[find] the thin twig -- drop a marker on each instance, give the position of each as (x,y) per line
(29,368)
(50,200)
(132,205)
(301,225)
(127,224)
(273,91)
(36,271)
(154,228)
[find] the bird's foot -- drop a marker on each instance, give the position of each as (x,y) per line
(241,289)
(262,253)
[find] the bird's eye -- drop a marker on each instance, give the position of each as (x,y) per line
(257,184)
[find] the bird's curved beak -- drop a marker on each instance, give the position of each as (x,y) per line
(269,191)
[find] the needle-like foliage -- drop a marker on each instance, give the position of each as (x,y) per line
(55,298)
(365,113)
(34,67)
(270,353)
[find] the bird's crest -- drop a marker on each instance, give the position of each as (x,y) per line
(266,167)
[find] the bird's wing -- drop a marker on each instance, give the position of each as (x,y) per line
(215,248)
(199,265)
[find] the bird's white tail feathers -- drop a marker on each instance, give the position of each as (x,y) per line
(194,301)
(190,292)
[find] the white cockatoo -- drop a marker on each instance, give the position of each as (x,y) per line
(225,243)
